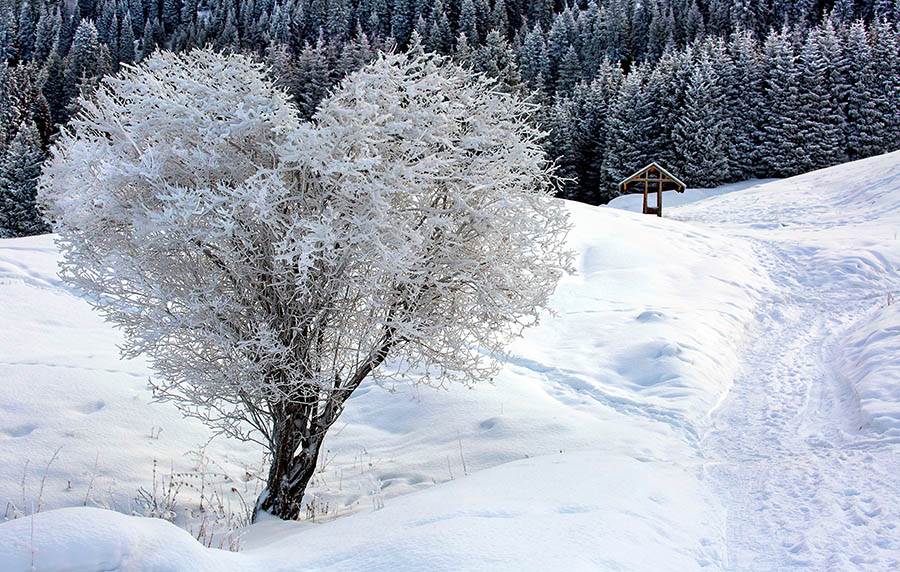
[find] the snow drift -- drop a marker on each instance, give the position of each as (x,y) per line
(868,359)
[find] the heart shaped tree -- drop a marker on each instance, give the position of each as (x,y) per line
(267,267)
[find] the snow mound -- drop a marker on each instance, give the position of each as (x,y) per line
(91,539)
(869,358)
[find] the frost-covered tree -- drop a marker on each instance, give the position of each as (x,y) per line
(267,267)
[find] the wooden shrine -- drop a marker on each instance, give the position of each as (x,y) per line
(652,179)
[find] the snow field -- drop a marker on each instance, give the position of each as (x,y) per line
(626,371)
(691,404)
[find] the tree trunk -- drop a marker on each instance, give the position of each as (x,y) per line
(297,437)
(290,472)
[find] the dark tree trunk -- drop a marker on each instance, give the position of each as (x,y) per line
(293,465)
(297,437)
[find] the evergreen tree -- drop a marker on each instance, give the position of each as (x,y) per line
(540,13)
(782,145)
(844,12)
(701,135)
(616,32)
(569,71)
(468,23)
(500,18)
(694,27)
(440,36)
(886,71)
(125,43)
(20,168)
(866,127)
(561,146)
(745,103)
(54,88)
(25,29)
(82,61)
(627,119)
(47,33)
(821,118)
(310,77)
(533,60)
(660,33)
(136,13)
(496,59)
(590,111)
(402,21)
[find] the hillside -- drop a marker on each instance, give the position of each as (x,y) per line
(715,390)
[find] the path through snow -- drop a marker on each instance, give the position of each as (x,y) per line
(805,483)
(802,487)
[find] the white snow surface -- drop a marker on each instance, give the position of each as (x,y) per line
(716,390)
(868,360)
(634,202)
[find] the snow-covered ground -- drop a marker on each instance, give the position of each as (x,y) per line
(634,202)
(717,389)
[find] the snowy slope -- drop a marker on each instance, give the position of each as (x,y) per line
(688,406)
(804,450)
(628,369)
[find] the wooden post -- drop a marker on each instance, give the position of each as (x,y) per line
(659,200)
(645,196)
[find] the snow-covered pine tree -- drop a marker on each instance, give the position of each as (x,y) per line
(83,59)
(701,133)
(745,105)
(499,19)
(402,21)
(54,88)
(886,69)
(309,77)
(496,59)
(468,24)
(626,121)
(821,119)
(569,72)
(440,36)
(25,29)
(782,145)
(20,168)
(694,25)
(47,33)
(866,127)
(590,111)
(561,141)
(533,59)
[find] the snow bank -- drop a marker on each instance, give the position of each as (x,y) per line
(869,358)
(575,511)
(91,539)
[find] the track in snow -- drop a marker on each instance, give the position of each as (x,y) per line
(802,486)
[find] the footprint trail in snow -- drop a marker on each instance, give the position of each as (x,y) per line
(805,481)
